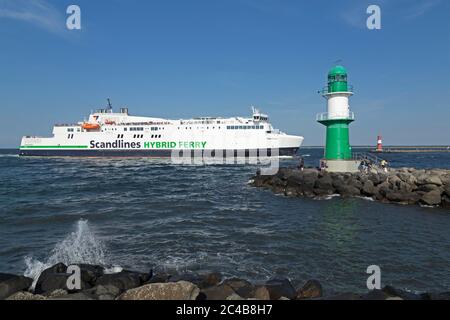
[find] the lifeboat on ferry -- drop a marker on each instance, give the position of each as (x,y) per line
(90,126)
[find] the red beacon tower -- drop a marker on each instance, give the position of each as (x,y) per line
(379,144)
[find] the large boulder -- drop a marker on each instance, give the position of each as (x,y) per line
(211,279)
(377,178)
(405,295)
(445,178)
(261,293)
(181,290)
(324,183)
(311,289)
(76,296)
(90,273)
(124,280)
(57,281)
(219,292)
(242,287)
(101,292)
(24,295)
(280,288)
(446,202)
(10,284)
(427,187)
(402,197)
(348,190)
(447,189)
(384,188)
(432,198)
(46,277)
(407,178)
(200,280)
(369,188)
(56,277)
(429,179)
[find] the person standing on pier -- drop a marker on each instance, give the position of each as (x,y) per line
(301,165)
(384,165)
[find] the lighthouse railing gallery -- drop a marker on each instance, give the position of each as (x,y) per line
(324,116)
(326,90)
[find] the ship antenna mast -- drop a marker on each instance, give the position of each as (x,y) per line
(109,104)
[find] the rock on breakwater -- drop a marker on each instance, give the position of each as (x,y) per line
(402,185)
(211,286)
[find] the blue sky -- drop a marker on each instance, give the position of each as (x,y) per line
(179,59)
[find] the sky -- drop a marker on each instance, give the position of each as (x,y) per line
(183,59)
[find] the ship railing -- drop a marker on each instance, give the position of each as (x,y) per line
(142,123)
(67,125)
(326,116)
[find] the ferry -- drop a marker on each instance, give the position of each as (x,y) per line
(109,134)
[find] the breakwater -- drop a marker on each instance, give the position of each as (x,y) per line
(97,284)
(402,185)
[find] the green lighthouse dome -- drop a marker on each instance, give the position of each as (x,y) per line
(337,70)
(337,79)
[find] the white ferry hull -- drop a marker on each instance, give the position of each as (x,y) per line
(108,134)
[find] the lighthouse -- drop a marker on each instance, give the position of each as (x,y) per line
(338,152)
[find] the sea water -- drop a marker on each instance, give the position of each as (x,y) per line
(149,213)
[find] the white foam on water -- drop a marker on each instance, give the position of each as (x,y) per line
(427,206)
(80,246)
(9,155)
(327,197)
(366,198)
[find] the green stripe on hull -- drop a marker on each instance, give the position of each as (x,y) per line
(53,147)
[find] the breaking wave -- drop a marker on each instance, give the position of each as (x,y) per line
(80,246)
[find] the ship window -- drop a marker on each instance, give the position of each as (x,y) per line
(70,130)
(159,136)
(240,127)
(125,129)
